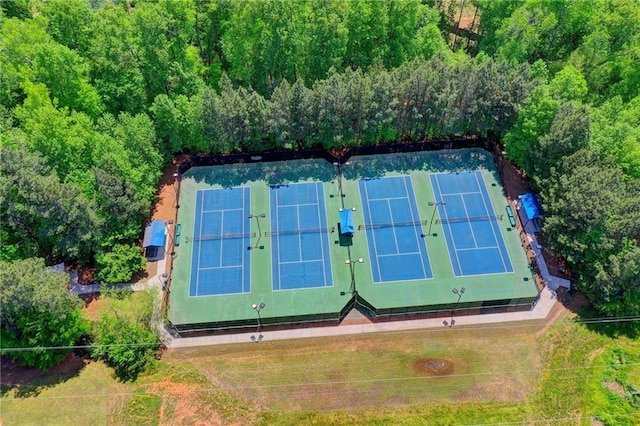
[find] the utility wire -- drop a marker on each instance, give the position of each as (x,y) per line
(457,328)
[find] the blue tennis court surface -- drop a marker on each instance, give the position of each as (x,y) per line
(394,232)
(300,244)
(220,262)
(471,228)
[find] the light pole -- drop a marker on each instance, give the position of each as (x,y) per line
(338,166)
(352,267)
(171,238)
(164,278)
(435,205)
(176,189)
(258,308)
(459,293)
(258,217)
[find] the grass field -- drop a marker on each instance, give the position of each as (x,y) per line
(567,372)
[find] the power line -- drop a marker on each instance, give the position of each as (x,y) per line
(405,378)
(554,419)
(457,329)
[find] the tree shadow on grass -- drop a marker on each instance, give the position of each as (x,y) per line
(612,327)
(26,382)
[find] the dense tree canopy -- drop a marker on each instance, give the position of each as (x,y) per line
(97,96)
(37,313)
(576,134)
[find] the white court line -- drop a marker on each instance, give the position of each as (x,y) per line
(245,231)
(225,210)
(373,234)
(399,254)
(453,241)
(273,240)
(495,237)
(464,193)
(323,241)
(302,261)
(199,244)
(388,198)
(479,248)
(221,267)
(221,228)
(466,212)
(395,239)
(299,235)
(278,240)
(413,219)
(298,205)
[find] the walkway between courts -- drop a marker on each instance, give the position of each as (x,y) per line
(539,312)
(155,281)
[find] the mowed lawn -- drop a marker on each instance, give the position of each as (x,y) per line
(373,370)
(565,373)
(89,396)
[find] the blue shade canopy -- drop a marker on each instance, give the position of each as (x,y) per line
(531,206)
(346,222)
(154,234)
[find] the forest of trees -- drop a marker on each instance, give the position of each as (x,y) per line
(96,97)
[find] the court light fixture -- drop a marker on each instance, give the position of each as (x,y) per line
(163,280)
(459,293)
(349,261)
(258,308)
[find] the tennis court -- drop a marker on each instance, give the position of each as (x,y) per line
(220,260)
(470,225)
(394,230)
(268,233)
(300,244)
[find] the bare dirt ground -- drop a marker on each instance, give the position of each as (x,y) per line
(165,209)
(515,183)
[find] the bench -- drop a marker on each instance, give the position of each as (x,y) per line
(510,215)
(176,240)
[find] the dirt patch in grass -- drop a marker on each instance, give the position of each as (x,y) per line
(93,307)
(180,405)
(434,366)
(614,387)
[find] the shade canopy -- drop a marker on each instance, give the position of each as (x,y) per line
(531,206)
(154,234)
(346,222)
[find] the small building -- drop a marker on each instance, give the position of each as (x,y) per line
(532,210)
(346,221)
(154,240)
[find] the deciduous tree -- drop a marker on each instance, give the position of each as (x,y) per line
(39,316)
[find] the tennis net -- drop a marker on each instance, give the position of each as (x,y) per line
(469,219)
(227,236)
(392,225)
(300,231)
